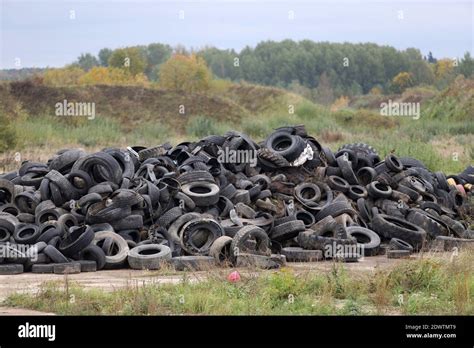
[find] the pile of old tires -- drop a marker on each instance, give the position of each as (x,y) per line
(190,207)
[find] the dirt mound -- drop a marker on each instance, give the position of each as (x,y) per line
(127,103)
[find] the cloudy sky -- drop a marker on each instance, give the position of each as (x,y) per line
(54,32)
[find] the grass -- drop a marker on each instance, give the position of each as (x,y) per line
(424,286)
(442,143)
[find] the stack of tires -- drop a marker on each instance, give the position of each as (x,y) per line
(188,206)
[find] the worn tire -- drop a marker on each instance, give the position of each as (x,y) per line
(149,256)
(392,227)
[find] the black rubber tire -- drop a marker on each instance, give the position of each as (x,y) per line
(286,145)
(221,250)
(246,233)
(27,201)
(80,181)
(378,190)
(307,193)
(55,255)
(7,191)
(359,148)
(131,222)
(93,253)
(26,218)
(356,192)
(347,171)
(431,226)
(77,239)
(338,184)
(120,256)
(393,163)
(328,156)
(305,216)
(195,176)
(398,244)
(334,209)
(202,193)
(310,240)
(328,227)
(107,163)
(170,216)
(297,254)
(364,210)
(392,227)
(287,230)
(8,269)
(149,256)
(441,181)
(454,226)
(366,175)
(367,238)
(269,159)
(87,265)
(64,161)
(26,233)
(414,196)
(194,240)
(48,231)
(65,222)
(409,162)
(229,191)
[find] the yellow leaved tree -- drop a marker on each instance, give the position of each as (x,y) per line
(112,76)
(402,81)
(63,76)
(185,73)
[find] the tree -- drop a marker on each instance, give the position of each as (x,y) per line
(104,55)
(402,81)
(128,59)
(443,68)
(324,93)
(431,59)
(157,54)
(63,76)
(466,65)
(111,76)
(186,73)
(86,61)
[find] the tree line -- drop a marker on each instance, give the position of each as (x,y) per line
(318,70)
(348,68)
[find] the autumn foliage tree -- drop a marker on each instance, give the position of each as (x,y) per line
(63,76)
(112,76)
(443,68)
(402,81)
(129,59)
(186,73)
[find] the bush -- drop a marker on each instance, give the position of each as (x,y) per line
(185,73)
(8,138)
(201,126)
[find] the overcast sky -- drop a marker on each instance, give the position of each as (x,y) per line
(42,33)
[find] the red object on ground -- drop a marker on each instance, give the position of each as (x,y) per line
(461,189)
(233,277)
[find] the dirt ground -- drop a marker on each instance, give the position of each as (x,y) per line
(109,280)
